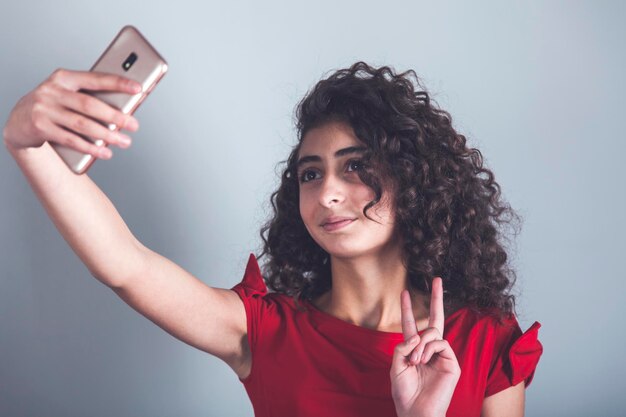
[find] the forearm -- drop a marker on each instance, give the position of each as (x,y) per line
(83,214)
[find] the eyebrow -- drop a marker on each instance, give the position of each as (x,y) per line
(341,152)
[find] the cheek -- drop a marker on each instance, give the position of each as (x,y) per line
(366,194)
(383,211)
(306,208)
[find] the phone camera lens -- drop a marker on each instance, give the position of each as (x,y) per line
(129,61)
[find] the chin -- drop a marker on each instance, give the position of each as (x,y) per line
(354,245)
(349,251)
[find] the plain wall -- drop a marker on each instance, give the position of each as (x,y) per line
(537,86)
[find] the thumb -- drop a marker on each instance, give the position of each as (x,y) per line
(402,350)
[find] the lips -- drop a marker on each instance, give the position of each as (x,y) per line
(334,223)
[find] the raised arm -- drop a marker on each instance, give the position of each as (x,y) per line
(210,319)
(79,209)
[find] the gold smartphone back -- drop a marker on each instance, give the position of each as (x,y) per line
(129,55)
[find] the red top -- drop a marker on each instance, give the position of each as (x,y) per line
(310,363)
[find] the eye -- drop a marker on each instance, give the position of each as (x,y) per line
(355,165)
(307,175)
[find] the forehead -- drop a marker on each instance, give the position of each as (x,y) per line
(327,138)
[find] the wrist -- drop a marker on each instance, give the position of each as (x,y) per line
(14,149)
(5,135)
(10,148)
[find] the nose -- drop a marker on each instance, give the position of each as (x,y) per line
(331,191)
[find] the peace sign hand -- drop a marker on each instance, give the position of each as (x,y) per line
(424,369)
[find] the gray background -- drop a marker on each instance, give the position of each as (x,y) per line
(538,87)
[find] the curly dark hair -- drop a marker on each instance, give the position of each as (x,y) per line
(449,210)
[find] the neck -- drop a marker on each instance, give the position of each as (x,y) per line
(366,292)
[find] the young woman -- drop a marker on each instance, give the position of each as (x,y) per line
(381,207)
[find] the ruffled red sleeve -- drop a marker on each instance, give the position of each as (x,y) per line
(517,358)
(252,282)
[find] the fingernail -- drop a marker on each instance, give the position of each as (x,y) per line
(124,140)
(105,153)
(132,124)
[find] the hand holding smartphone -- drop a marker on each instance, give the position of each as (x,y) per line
(130,56)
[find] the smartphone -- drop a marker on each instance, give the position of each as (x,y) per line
(129,55)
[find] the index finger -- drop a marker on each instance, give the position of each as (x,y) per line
(95,81)
(437,316)
(409,327)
